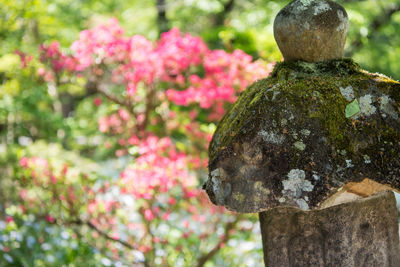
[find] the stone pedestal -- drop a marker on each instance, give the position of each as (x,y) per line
(354,234)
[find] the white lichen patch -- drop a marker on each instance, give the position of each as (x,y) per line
(305,132)
(272,88)
(217,190)
(275,91)
(344,21)
(367,159)
(259,188)
(386,107)
(321,8)
(306,2)
(315,176)
(316,94)
(215,173)
(308,67)
(216,186)
(295,186)
(219,173)
(272,137)
(300,6)
(302,204)
(238,196)
(366,106)
(300,145)
(349,163)
(296,183)
(347,93)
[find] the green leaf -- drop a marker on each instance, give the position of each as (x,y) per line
(352,109)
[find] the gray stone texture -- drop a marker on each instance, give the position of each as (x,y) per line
(363,233)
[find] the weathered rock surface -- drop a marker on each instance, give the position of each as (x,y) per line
(311,30)
(296,137)
(360,233)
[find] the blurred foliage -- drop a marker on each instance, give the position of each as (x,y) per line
(32,113)
(42,245)
(248,26)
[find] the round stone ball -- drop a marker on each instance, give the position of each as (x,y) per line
(311,30)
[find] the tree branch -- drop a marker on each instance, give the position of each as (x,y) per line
(228,227)
(80,222)
(108,237)
(149,108)
(374,27)
(115,99)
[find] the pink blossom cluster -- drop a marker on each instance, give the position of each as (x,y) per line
(33,162)
(114,123)
(195,73)
(39,173)
(104,43)
(225,75)
(143,65)
(25,59)
(158,168)
(68,188)
(58,60)
(179,53)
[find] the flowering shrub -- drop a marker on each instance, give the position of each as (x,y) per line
(156,104)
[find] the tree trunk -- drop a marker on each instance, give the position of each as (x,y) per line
(219,18)
(359,233)
(162,21)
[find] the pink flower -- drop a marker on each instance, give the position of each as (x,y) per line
(191,193)
(123,114)
(148,215)
(53,179)
(9,219)
(49,219)
(23,162)
(171,201)
(23,193)
(41,71)
(133,140)
(115,236)
(48,76)
(92,207)
(24,58)
(165,216)
(97,101)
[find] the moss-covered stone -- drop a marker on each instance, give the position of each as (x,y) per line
(328,123)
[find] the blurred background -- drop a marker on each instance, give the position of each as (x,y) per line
(106,111)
